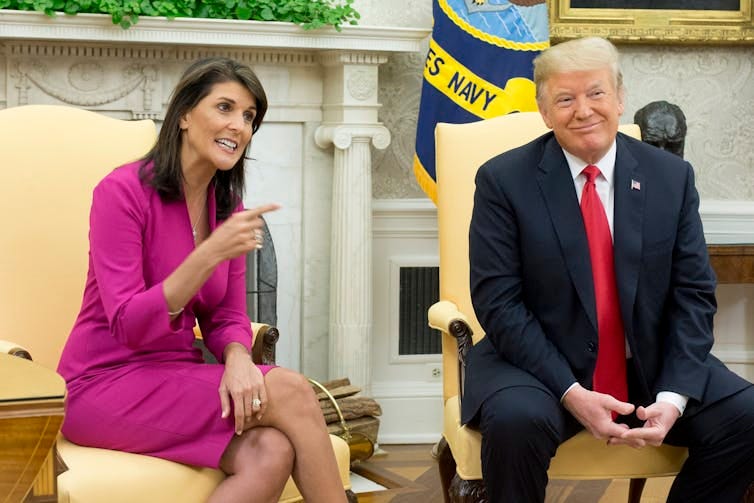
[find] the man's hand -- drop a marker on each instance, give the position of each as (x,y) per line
(658,419)
(594,411)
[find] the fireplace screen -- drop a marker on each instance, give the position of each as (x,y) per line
(261,288)
(262,282)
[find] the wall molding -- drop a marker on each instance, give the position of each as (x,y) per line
(412,412)
(404,218)
(407,389)
(727,222)
(735,356)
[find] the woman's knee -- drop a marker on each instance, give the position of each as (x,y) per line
(294,391)
(275,449)
(257,449)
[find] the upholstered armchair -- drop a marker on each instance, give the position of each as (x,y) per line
(51,159)
(461,149)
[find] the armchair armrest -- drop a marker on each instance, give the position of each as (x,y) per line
(262,350)
(265,339)
(444,313)
(14,349)
(446,317)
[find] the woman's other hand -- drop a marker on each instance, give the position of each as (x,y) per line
(240,233)
(243,383)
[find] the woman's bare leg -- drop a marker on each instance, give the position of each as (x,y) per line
(258,464)
(293,409)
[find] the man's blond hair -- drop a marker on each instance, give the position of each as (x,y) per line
(583,54)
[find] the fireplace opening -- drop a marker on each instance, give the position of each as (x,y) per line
(262,282)
(261,288)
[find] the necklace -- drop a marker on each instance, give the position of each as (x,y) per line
(196,222)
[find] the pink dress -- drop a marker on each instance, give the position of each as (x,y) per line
(135,382)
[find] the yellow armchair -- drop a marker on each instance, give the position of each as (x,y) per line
(52,157)
(461,150)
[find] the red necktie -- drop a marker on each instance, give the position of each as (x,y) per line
(610,371)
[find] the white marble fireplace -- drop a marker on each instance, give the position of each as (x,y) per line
(312,155)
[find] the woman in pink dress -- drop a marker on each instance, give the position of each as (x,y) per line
(168,240)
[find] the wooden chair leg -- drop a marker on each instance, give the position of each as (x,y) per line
(454,488)
(467,491)
(749,496)
(446,465)
(635,488)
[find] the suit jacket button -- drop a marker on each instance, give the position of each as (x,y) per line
(591,346)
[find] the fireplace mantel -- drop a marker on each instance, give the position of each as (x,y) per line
(25,25)
(312,155)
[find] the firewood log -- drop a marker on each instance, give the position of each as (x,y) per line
(352,407)
(339,392)
(335,383)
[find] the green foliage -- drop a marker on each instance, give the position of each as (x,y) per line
(309,14)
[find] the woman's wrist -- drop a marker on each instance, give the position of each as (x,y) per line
(207,253)
(235,350)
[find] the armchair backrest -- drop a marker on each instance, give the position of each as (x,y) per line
(51,157)
(460,150)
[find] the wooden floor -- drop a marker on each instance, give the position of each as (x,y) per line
(408,471)
(410,474)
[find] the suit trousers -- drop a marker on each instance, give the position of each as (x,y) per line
(523,426)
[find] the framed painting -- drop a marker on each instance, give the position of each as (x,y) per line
(654,21)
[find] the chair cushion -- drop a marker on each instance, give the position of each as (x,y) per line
(96,475)
(119,477)
(582,457)
(464,443)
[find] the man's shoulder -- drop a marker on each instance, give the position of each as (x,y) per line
(657,161)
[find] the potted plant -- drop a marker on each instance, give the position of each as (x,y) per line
(309,14)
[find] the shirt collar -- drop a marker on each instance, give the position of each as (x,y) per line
(606,164)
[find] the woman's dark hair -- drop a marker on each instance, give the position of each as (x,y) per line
(196,83)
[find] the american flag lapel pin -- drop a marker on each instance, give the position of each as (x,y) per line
(635,185)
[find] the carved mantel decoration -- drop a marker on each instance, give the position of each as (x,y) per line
(314,150)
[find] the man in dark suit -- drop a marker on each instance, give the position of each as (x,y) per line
(558,357)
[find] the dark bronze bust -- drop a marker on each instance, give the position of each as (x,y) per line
(662,125)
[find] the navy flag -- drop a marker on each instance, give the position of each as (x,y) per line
(479,65)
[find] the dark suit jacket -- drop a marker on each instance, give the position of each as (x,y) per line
(531,282)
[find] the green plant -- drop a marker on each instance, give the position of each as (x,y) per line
(308,13)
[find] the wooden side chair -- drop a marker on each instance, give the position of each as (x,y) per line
(461,150)
(51,159)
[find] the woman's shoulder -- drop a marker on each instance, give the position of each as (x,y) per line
(127,175)
(126,180)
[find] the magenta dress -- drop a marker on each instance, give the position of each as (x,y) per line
(135,381)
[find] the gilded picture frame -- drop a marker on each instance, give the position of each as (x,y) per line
(641,21)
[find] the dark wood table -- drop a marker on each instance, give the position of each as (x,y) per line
(31,413)
(733,263)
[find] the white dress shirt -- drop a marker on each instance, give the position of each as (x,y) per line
(606,191)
